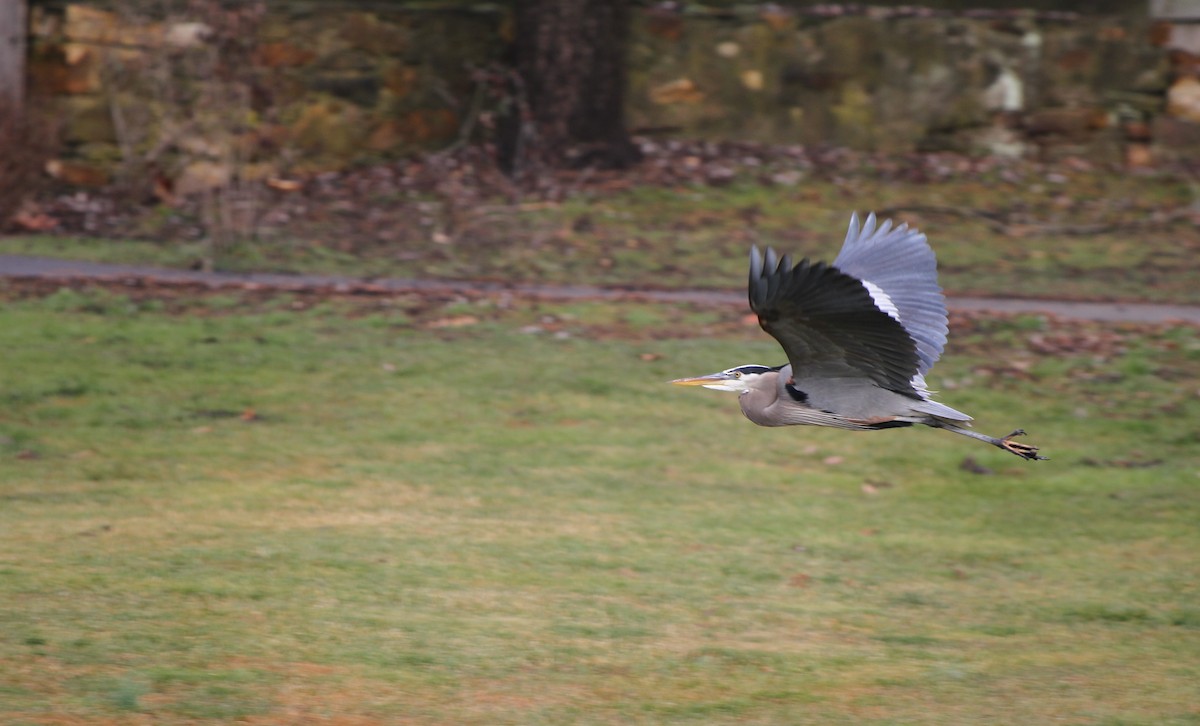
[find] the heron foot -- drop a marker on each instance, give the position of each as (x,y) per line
(1025,451)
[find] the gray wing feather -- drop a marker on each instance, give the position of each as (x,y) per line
(826,320)
(898,261)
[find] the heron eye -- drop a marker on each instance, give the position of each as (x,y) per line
(737,374)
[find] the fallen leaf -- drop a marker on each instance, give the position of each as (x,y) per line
(456,321)
(284,185)
(32,220)
(799,579)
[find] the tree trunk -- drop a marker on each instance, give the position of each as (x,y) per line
(569,90)
(12,53)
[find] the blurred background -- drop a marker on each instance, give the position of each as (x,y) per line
(334,337)
(232,123)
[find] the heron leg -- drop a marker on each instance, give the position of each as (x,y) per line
(1025,451)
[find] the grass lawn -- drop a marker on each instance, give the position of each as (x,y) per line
(268,511)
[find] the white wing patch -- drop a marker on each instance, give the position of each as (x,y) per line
(899,261)
(882,300)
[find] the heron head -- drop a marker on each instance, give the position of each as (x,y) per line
(737,379)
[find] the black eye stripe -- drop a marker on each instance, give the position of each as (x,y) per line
(751,369)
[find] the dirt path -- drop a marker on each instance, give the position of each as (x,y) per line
(16,266)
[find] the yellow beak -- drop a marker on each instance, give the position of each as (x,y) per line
(699,380)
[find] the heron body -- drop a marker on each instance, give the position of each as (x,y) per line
(860,335)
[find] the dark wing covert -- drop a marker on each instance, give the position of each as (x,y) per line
(822,315)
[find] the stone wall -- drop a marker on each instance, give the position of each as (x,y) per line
(304,86)
(328,85)
(896,81)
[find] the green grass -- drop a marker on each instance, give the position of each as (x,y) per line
(257,513)
(696,236)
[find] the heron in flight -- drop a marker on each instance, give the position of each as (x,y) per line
(860,335)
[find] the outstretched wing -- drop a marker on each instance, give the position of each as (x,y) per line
(900,271)
(827,321)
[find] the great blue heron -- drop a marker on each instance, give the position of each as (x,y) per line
(859,334)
